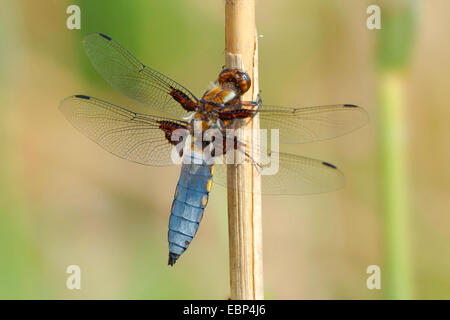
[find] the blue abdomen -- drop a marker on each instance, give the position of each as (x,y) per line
(191,197)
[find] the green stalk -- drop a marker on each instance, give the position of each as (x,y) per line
(394,187)
(395,42)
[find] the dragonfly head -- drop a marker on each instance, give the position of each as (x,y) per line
(234,79)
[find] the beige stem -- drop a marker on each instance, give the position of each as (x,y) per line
(244,197)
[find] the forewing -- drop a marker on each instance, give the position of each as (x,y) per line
(302,125)
(128,135)
(129,76)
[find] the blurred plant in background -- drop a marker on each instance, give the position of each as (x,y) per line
(394,50)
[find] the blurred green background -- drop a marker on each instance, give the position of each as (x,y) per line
(64,200)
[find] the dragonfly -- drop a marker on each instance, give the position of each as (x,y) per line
(152,139)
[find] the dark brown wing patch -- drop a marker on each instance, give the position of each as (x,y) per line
(169,128)
(183,99)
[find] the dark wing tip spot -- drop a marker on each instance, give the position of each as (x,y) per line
(350,106)
(81,96)
(105,36)
(329,165)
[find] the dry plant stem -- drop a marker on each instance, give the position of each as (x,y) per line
(244,197)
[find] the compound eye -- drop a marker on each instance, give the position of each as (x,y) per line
(225,76)
(244,81)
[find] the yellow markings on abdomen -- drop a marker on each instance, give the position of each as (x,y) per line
(208,185)
(204,200)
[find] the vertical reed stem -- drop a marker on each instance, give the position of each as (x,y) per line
(244,199)
(394,186)
(395,46)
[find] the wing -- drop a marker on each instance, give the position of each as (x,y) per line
(132,136)
(295,175)
(302,125)
(132,78)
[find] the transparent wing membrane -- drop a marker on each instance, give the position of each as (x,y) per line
(302,125)
(295,175)
(282,173)
(128,135)
(129,76)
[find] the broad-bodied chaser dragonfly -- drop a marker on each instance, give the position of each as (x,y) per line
(149,139)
